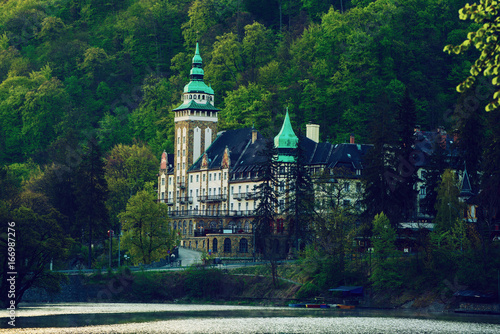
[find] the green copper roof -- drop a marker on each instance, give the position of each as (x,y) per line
(197,70)
(196,84)
(198,87)
(286,138)
(198,106)
(197,58)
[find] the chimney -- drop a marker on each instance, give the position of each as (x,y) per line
(254,135)
(312,132)
(351,141)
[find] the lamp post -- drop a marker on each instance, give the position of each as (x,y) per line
(110,235)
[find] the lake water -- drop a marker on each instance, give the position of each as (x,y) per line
(177,318)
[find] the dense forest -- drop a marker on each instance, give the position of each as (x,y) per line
(115,69)
(87,88)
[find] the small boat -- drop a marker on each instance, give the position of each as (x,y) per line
(317,306)
(297,305)
(346,307)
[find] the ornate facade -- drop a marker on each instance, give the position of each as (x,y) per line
(209,181)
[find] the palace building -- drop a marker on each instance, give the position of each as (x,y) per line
(209,181)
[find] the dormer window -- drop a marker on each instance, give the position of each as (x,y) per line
(190,96)
(203,97)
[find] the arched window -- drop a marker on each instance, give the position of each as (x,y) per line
(175,225)
(190,227)
(190,96)
(184,227)
(214,246)
(243,245)
(227,245)
(247,227)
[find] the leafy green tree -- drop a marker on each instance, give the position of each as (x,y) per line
(127,169)
(247,106)
(33,220)
(485,40)
(448,206)
(385,275)
(325,258)
(114,128)
(201,18)
(257,49)
(146,230)
(95,63)
(42,111)
(226,64)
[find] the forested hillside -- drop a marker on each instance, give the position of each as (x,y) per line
(70,70)
(86,93)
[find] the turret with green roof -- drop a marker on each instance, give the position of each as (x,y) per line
(286,141)
(197,95)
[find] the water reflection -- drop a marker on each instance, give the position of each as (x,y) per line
(174,318)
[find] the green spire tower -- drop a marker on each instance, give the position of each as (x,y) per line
(286,141)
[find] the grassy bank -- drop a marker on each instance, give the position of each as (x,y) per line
(195,284)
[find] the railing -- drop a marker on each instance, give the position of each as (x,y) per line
(168,201)
(247,195)
(212,198)
(211,213)
(241,213)
(184,200)
(206,231)
(181,185)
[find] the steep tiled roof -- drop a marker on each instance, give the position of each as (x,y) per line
(239,143)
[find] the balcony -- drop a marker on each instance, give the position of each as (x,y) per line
(184,200)
(181,185)
(196,213)
(248,195)
(212,198)
(168,201)
(241,213)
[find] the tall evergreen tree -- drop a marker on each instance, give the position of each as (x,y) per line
(434,168)
(300,206)
(265,213)
(469,114)
(92,193)
(404,192)
(267,199)
(488,199)
(380,175)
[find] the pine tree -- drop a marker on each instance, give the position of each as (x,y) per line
(404,193)
(91,193)
(471,129)
(437,163)
(265,213)
(380,175)
(300,206)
